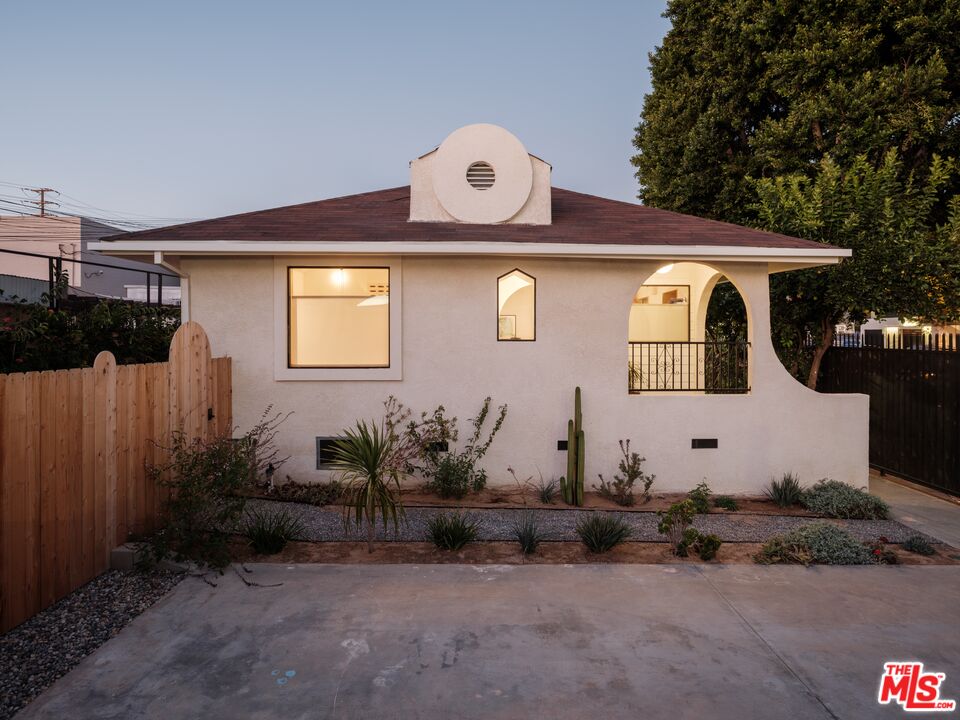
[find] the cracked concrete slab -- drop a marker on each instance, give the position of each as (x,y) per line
(442,641)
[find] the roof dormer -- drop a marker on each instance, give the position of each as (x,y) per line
(480,174)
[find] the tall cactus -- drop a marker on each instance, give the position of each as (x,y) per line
(572,485)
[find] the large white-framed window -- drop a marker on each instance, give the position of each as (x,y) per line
(337,318)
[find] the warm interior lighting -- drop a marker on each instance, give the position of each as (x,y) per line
(910,323)
(339,277)
(665,269)
(374,300)
(891,330)
(509,285)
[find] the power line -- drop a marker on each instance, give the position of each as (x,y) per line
(42,202)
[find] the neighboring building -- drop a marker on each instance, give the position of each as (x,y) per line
(481,279)
(69,238)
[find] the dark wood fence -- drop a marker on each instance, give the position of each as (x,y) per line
(914,386)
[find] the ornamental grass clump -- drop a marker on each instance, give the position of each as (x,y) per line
(832,498)
(919,545)
(601,532)
(269,531)
(526,530)
(786,491)
(725,502)
(819,542)
(452,531)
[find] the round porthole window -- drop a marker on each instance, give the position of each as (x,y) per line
(480,175)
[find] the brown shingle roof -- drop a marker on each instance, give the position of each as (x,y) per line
(383,216)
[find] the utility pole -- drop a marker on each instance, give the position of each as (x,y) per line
(42,202)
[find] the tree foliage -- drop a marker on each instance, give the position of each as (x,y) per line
(904,263)
(763,88)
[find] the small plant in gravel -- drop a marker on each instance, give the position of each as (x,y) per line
(675,521)
(451,531)
(833,498)
(602,532)
(919,545)
(706,546)
(786,491)
(269,531)
(362,456)
(630,472)
(700,497)
(881,554)
(725,502)
(206,480)
(526,530)
(817,542)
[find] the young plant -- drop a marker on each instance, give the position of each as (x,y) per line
(206,480)
(786,491)
(706,546)
(620,490)
(547,490)
(452,531)
(527,532)
(833,498)
(362,457)
(269,531)
(601,532)
(700,497)
(919,545)
(675,521)
(881,554)
(725,502)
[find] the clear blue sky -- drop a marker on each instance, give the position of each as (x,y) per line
(199,109)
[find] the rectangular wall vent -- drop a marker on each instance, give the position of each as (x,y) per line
(324,452)
(703,443)
(562,444)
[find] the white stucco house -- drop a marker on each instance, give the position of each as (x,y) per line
(479,279)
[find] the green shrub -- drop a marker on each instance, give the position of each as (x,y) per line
(833,498)
(527,532)
(817,542)
(706,546)
(620,489)
(674,522)
(786,491)
(269,531)
(601,532)
(919,545)
(452,531)
(700,497)
(880,553)
(726,502)
(452,474)
(319,494)
(205,479)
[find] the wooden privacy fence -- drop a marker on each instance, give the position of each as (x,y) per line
(74,448)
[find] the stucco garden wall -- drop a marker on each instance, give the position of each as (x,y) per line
(451,356)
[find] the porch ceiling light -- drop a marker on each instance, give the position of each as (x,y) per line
(339,277)
(374,300)
(665,269)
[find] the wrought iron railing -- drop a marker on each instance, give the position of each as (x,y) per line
(708,367)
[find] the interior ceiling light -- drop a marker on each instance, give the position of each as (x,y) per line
(374,300)
(665,269)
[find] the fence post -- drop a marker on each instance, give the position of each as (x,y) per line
(105,455)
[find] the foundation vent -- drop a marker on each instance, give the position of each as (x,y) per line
(480,175)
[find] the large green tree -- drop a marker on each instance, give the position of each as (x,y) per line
(818,119)
(761,88)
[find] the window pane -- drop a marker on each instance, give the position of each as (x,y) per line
(660,313)
(516,299)
(339,317)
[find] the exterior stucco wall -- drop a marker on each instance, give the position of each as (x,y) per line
(451,356)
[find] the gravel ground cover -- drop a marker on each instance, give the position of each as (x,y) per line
(326,524)
(47,646)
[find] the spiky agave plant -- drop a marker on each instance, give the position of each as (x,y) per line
(363,455)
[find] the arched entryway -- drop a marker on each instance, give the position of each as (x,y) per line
(672,345)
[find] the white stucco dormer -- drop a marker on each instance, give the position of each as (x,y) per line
(480,174)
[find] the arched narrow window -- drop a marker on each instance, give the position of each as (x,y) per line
(516,306)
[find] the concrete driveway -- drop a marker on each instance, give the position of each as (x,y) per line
(454,641)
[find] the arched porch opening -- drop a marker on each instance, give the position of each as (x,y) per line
(678,341)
